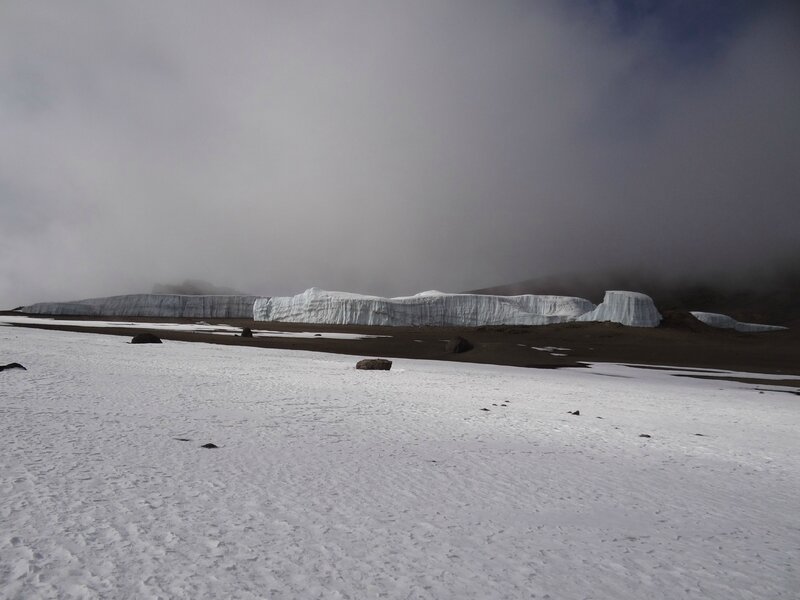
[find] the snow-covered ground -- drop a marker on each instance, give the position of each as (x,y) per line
(337,483)
(184,327)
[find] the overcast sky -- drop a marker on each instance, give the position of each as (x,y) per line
(391,147)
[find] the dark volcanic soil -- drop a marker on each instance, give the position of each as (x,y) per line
(679,342)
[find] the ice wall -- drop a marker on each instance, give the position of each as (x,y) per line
(726,322)
(427,308)
(152,305)
(629,308)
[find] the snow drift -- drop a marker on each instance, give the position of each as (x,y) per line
(629,308)
(726,322)
(462,310)
(337,483)
(151,305)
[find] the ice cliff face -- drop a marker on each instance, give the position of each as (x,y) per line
(152,305)
(629,308)
(726,322)
(339,308)
(427,308)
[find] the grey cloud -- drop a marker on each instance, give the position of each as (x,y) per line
(384,149)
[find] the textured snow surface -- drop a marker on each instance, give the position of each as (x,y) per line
(337,483)
(152,305)
(629,308)
(427,308)
(726,322)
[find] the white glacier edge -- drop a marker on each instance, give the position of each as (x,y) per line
(151,305)
(462,310)
(431,308)
(629,308)
(726,322)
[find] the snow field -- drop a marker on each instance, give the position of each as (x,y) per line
(337,483)
(182,327)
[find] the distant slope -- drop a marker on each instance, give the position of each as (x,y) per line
(763,297)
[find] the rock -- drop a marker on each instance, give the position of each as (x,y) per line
(374,364)
(486,409)
(209,445)
(12,366)
(458,345)
(145,338)
(247,332)
(577,413)
(645,435)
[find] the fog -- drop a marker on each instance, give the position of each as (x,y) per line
(390,148)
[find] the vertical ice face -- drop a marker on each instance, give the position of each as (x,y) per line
(152,305)
(340,308)
(629,308)
(427,308)
(726,322)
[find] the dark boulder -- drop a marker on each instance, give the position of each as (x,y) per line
(458,345)
(374,364)
(209,446)
(247,332)
(145,338)
(12,366)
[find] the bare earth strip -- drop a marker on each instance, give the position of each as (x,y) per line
(695,346)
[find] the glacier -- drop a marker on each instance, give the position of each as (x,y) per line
(435,308)
(726,322)
(151,305)
(430,308)
(628,308)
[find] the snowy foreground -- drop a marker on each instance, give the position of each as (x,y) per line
(337,483)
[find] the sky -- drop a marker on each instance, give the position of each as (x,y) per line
(391,147)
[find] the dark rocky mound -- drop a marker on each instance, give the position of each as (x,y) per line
(209,445)
(247,332)
(458,345)
(12,366)
(145,338)
(374,364)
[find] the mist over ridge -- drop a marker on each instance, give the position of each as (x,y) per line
(379,149)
